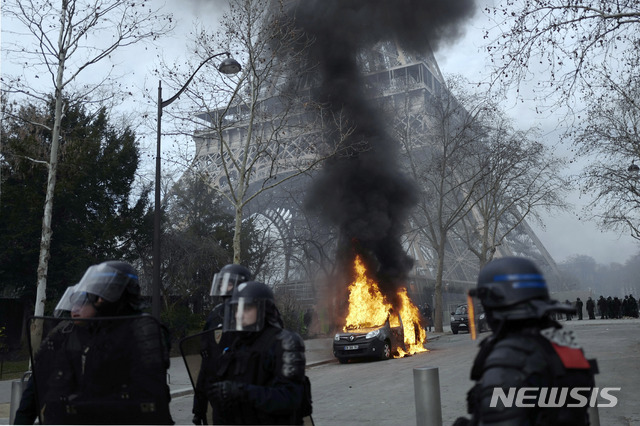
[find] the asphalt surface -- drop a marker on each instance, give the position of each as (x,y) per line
(615,343)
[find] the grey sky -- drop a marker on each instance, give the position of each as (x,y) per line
(565,234)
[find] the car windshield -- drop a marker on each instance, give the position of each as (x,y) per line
(461,310)
(363,329)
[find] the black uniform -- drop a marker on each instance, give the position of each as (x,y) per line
(27,411)
(591,306)
(427,316)
(579,308)
(611,310)
(265,374)
(213,343)
(109,371)
(568,315)
(633,306)
(603,307)
(527,357)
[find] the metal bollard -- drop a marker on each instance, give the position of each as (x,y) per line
(17,387)
(426,383)
(16,396)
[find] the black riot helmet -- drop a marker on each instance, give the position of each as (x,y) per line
(513,288)
(228,278)
(116,283)
(251,307)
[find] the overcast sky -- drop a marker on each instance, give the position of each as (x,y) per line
(565,234)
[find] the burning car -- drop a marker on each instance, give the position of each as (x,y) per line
(363,336)
(381,342)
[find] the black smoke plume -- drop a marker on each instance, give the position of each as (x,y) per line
(364,192)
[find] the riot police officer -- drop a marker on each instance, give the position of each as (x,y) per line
(527,349)
(591,308)
(213,341)
(262,379)
(111,365)
(27,411)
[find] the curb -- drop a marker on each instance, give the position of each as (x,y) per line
(177,393)
(181,392)
(433,337)
(316,363)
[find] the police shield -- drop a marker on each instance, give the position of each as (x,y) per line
(106,370)
(197,349)
(201,354)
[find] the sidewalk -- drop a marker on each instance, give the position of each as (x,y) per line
(317,351)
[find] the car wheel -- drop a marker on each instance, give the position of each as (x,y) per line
(343,360)
(454,330)
(386,350)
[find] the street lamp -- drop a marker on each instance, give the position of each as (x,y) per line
(228,66)
(633,168)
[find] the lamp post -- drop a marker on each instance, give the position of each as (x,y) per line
(228,66)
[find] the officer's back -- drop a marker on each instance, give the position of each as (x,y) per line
(527,350)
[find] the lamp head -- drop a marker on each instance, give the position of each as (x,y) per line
(229,66)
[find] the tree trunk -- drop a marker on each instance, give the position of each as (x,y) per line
(438,308)
(47,232)
(237,233)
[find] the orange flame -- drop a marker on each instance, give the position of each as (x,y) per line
(369,308)
(414,334)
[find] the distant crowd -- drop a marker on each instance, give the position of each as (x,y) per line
(609,308)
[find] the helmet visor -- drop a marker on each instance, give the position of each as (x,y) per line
(244,315)
(104,281)
(63,308)
(224,283)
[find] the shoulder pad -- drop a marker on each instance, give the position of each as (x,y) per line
(291,341)
(517,352)
(293,358)
(565,346)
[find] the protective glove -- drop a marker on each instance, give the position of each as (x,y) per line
(199,420)
(225,393)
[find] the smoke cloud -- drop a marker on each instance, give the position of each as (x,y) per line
(365,193)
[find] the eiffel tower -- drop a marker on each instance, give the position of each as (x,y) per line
(302,244)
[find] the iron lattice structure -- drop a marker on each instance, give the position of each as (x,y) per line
(301,246)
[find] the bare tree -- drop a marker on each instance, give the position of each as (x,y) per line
(443,161)
(65,41)
(610,138)
(263,132)
(570,41)
(522,178)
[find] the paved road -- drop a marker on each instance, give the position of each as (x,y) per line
(382,393)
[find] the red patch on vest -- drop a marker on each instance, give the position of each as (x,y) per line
(571,357)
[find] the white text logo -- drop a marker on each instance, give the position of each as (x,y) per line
(553,397)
